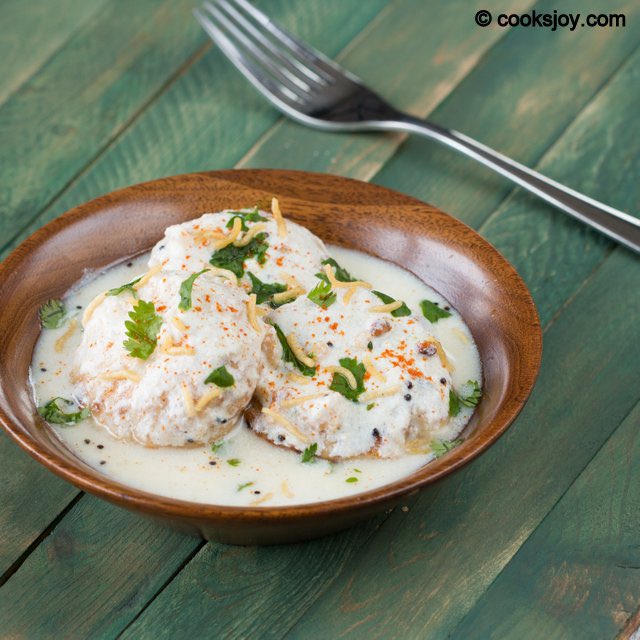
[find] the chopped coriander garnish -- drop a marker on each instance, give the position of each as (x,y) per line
(397,313)
(342,275)
(357,470)
(216,446)
(53,413)
(432,312)
(220,377)
(440,447)
(370,406)
(470,399)
(142,330)
(52,314)
(472,394)
(352,479)
(266,290)
(340,384)
(233,258)
(234,462)
(454,403)
(252,216)
(370,345)
(322,295)
(244,486)
(125,287)
(309,454)
(289,356)
(186,289)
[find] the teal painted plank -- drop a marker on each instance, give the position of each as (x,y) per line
(398,61)
(533,86)
(84,96)
(24,517)
(32,33)
(577,576)
(45,601)
(195,124)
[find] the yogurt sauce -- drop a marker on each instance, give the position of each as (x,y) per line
(245,470)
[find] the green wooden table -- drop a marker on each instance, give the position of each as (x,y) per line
(540,536)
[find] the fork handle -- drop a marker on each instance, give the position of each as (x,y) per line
(615,224)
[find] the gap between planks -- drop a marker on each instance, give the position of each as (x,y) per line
(112,140)
(634,622)
(36,542)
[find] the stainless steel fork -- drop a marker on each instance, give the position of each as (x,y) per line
(310,88)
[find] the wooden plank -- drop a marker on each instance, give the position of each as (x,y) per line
(84,96)
(23,518)
(392,58)
(577,576)
(194,124)
(46,601)
(534,97)
(30,36)
(428,565)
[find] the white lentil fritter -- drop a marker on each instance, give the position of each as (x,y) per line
(165,399)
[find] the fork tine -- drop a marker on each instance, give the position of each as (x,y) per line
(278,95)
(316,60)
(296,85)
(271,47)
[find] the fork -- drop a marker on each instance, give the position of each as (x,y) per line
(309,87)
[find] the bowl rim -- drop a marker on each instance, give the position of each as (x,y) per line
(86,478)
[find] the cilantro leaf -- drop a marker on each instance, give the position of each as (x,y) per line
(52,314)
(370,345)
(352,479)
(265,290)
(244,486)
(142,330)
(340,384)
(370,406)
(440,447)
(216,446)
(470,399)
(289,356)
(234,462)
(342,275)
(53,413)
(474,394)
(252,216)
(233,258)
(432,312)
(125,287)
(186,289)
(309,453)
(322,295)
(220,377)
(400,311)
(454,403)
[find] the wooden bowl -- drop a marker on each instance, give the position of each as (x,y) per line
(443,252)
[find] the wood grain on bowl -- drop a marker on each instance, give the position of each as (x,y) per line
(443,252)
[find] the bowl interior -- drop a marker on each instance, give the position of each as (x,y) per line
(443,252)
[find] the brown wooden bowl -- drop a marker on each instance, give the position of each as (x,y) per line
(443,252)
